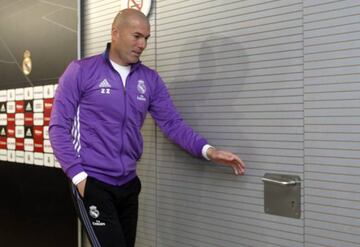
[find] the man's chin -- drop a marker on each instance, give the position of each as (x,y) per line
(134,60)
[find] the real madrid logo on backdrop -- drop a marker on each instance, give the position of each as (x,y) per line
(142,5)
(27,64)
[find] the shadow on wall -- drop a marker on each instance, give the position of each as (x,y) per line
(206,90)
(206,83)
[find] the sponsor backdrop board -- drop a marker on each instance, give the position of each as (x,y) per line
(24,125)
(37,41)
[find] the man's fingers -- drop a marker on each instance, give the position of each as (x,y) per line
(229,159)
(240,167)
(235,170)
(239,170)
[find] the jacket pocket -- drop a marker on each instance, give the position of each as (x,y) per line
(104,136)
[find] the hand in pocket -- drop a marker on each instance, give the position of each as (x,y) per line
(81,187)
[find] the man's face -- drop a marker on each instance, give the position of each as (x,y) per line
(129,41)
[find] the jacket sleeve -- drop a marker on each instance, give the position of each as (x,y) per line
(63,118)
(169,120)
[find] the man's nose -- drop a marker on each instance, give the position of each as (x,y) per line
(142,43)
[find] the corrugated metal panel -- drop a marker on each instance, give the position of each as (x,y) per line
(97,20)
(235,71)
(332,134)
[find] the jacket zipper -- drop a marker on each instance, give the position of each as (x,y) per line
(123,124)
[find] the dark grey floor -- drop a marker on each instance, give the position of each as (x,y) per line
(35,208)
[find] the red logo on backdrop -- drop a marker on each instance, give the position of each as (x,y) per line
(38,133)
(38,146)
(11,119)
(19,143)
(38,139)
(48,105)
(47,110)
(3,143)
(29,118)
(11,131)
(46,119)
(19,106)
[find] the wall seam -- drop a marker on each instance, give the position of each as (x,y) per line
(155,131)
(304,166)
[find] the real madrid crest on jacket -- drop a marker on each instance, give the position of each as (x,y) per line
(109,116)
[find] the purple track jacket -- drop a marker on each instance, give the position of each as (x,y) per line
(95,122)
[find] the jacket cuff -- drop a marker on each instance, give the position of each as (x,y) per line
(199,147)
(79,177)
(204,151)
(74,170)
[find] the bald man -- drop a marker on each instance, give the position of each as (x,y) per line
(99,108)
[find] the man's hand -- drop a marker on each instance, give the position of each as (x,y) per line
(227,159)
(81,187)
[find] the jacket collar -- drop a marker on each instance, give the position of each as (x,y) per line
(107,59)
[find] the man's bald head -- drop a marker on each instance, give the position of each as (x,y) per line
(125,16)
(129,34)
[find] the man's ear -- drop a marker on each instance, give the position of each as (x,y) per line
(114,31)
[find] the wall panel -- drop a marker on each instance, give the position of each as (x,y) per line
(331,103)
(234,70)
